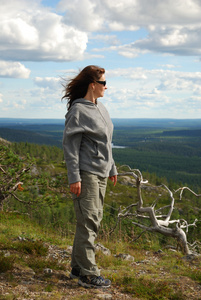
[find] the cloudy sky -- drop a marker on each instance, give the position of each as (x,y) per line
(151,50)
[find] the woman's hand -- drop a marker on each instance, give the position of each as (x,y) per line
(75,188)
(114,179)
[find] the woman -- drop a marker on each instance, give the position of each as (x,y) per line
(88,154)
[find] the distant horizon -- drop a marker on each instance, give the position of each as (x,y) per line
(142,118)
(27,123)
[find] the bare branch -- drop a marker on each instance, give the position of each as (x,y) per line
(135,239)
(24,202)
(157,224)
(2,170)
(186,188)
(117,222)
(132,173)
(161,208)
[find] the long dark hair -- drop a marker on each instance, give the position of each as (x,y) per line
(77,87)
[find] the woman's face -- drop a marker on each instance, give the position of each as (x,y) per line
(100,87)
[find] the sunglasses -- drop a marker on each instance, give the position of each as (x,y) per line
(101,82)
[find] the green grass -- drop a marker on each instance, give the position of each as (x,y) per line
(147,289)
(140,278)
(15,225)
(6,263)
(195,275)
(38,264)
(30,247)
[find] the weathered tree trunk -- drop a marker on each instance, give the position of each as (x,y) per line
(160,225)
(157,224)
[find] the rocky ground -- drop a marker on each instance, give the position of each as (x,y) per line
(23,283)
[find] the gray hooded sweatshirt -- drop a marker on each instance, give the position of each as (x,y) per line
(87,140)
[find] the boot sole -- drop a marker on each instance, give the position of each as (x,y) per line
(89,285)
(73,276)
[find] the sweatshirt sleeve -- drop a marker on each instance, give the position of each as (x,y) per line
(113,170)
(71,146)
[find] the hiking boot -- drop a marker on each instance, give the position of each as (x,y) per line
(75,273)
(94,282)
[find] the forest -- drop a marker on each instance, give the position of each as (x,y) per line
(166,148)
(44,192)
(36,209)
(37,224)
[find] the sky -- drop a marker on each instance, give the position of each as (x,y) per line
(150,49)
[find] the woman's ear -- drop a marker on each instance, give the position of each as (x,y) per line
(92,86)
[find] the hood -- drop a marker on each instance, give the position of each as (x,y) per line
(83,101)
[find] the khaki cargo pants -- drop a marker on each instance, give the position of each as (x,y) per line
(89,213)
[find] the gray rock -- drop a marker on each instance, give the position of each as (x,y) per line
(100,247)
(125,256)
(48,271)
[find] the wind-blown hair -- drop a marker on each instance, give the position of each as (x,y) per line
(77,87)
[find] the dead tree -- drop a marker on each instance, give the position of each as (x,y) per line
(12,175)
(159,223)
(9,185)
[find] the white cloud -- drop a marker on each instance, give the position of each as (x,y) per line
(91,16)
(172,26)
(129,14)
(21,104)
(37,102)
(173,40)
(108,39)
(169,66)
(48,82)
(19,33)
(28,31)
(13,70)
(142,93)
(153,12)
(161,75)
(178,40)
(120,31)
(87,15)
(129,54)
(121,15)
(153,93)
